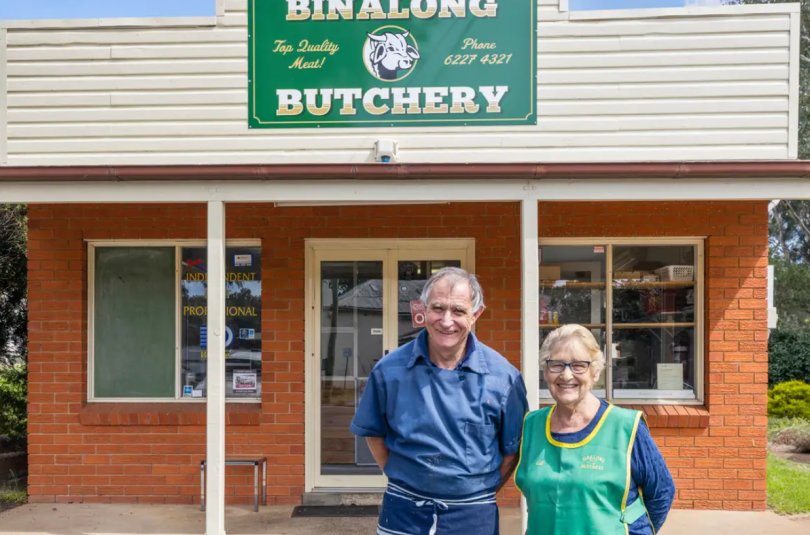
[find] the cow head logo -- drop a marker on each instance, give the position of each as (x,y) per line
(390,53)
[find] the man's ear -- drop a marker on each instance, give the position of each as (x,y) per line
(478,313)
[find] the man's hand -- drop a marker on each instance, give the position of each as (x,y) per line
(379,451)
(507,467)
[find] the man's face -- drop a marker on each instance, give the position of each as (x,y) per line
(450,315)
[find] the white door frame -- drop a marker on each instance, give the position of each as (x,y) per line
(389,252)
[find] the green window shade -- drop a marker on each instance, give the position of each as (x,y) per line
(134,322)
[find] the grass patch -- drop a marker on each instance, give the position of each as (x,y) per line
(788,486)
(10,495)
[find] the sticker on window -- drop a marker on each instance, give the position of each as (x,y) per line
(417,314)
(247,334)
(242,260)
(244,382)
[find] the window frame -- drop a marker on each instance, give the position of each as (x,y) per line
(700,345)
(92,245)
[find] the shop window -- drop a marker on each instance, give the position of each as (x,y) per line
(646,318)
(149,321)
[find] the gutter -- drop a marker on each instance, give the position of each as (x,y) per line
(400,171)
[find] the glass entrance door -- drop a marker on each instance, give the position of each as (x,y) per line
(351,311)
(365,303)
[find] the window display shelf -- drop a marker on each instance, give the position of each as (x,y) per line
(651,325)
(586,325)
(572,284)
(653,284)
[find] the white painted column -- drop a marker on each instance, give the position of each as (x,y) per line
(215,381)
(530,313)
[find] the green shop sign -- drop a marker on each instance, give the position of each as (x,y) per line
(341,63)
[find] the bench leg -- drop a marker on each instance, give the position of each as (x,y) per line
(264,483)
(256,487)
(202,487)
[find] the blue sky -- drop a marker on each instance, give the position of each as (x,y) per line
(83,9)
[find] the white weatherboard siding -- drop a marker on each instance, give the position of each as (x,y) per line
(709,86)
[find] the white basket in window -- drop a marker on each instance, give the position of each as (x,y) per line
(676,273)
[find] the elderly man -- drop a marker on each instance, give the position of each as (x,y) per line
(443,416)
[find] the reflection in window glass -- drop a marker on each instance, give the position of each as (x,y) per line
(243,289)
(351,344)
(572,290)
(654,363)
(649,338)
(654,321)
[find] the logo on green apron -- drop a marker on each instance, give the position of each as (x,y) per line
(593,462)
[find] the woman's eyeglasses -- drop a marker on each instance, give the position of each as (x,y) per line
(577,367)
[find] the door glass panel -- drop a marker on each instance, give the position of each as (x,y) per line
(412,275)
(351,344)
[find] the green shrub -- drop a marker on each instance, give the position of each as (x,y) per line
(789,356)
(797,436)
(790,400)
(13,394)
(776,425)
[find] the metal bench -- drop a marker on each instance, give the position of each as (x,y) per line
(241,461)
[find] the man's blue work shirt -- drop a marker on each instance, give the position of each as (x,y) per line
(447,430)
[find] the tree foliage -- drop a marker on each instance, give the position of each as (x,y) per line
(789,355)
(13,280)
(13,395)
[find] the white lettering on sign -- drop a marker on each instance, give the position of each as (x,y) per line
(376,100)
(298,10)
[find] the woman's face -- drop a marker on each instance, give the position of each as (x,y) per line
(568,387)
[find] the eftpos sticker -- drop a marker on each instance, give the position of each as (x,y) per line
(599,249)
(247,334)
(188,391)
(243,260)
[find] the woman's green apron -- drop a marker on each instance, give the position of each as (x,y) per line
(579,489)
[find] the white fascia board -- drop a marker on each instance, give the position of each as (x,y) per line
(683,12)
(353,191)
(62,24)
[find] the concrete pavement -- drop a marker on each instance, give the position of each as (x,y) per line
(109,519)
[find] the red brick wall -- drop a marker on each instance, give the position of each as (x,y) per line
(158,460)
(722,466)
(152,455)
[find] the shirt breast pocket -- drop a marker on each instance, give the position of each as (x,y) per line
(481,447)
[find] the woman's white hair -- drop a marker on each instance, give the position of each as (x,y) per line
(566,335)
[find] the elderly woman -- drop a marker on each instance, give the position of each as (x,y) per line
(588,467)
